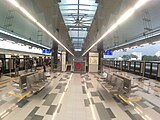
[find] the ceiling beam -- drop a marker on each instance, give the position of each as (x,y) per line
(79,4)
(77,37)
(74,14)
(78,30)
(76,9)
(71,26)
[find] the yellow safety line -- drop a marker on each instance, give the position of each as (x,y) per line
(122,98)
(18,96)
(134,100)
(6,81)
(130,100)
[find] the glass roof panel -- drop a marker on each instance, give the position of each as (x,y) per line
(78,16)
(78,49)
(77,40)
(69,2)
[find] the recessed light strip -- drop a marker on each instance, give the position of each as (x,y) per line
(122,19)
(25,12)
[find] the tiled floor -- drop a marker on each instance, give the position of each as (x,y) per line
(73,106)
(72,96)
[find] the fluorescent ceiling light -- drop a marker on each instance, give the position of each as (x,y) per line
(27,14)
(156,42)
(16,4)
(123,18)
(140,3)
(144,44)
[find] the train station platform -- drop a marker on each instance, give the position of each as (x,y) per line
(75,96)
(79,60)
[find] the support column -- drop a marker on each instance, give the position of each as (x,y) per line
(87,62)
(54,58)
(93,62)
(67,55)
(63,61)
(100,52)
(142,68)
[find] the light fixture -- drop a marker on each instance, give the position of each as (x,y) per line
(25,12)
(123,18)
(140,3)
(10,41)
(145,44)
(1,39)
(156,42)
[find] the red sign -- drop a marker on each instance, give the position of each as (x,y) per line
(78,66)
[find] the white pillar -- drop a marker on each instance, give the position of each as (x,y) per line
(143,69)
(63,61)
(93,62)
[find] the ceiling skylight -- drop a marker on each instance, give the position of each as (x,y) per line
(78,16)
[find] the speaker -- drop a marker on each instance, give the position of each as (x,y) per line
(59,1)
(97,1)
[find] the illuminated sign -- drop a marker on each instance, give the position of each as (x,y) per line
(46,51)
(108,52)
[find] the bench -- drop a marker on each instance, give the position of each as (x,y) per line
(127,86)
(22,83)
(113,84)
(120,87)
(36,82)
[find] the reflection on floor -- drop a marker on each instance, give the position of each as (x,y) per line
(73,96)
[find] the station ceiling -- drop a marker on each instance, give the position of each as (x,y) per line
(78,16)
(78,24)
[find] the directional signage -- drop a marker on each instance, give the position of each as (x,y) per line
(46,51)
(108,52)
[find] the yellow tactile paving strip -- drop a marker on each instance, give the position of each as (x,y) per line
(9,80)
(6,81)
(130,100)
(19,96)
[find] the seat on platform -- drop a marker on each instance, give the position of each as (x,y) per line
(117,89)
(22,83)
(32,85)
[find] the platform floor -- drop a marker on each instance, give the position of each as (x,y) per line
(73,96)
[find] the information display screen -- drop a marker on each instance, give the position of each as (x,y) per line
(108,52)
(46,51)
